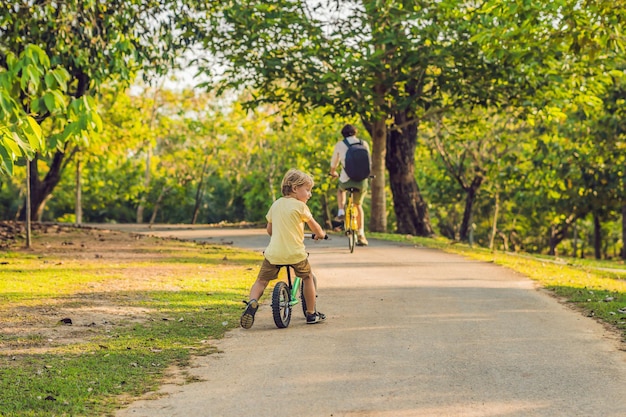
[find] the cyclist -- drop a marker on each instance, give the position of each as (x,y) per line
(285,225)
(339,157)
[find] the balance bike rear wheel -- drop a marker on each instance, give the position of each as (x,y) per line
(281,308)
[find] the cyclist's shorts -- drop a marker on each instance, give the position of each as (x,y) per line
(269,271)
(359,196)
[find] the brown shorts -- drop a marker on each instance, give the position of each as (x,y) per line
(269,271)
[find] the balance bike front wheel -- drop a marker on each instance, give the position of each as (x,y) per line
(281,307)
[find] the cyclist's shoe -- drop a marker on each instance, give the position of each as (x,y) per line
(339,218)
(247,318)
(316,317)
(361,241)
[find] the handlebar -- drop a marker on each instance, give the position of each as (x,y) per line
(371,177)
(312,236)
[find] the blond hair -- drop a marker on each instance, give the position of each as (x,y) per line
(295,178)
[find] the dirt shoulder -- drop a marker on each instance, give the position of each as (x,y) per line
(75,316)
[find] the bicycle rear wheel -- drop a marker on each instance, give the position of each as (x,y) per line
(281,309)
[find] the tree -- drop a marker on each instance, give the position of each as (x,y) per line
(96,42)
(325,62)
(393,63)
(611,132)
(28,88)
(475,146)
(216,160)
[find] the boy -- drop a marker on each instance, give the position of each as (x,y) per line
(285,225)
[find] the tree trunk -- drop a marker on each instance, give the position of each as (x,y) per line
(597,236)
(378,205)
(79,199)
(553,241)
(40,190)
(199,191)
(27,216)
(146,183)
(583,246)
(575,242)
(470,198)
(494,227)
(559,232)
(157,205)
(505,240)
(410,208)
(327,222)
(623,253)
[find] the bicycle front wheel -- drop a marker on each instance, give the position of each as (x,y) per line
(351,239)
(281,308)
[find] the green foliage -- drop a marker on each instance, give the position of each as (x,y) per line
(97,43)
(32,91)
(27,78)
(10,194)
(228,161)
(521,103)
(395,64)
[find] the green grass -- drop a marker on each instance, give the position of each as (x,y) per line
(187,293)
(596,288)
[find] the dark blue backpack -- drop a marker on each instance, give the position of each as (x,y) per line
(357,164)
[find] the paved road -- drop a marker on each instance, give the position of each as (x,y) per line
(410,332)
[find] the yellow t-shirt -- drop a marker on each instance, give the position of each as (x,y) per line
(286,246)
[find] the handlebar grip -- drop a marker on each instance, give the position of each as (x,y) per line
(313,236)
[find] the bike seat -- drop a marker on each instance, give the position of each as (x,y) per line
(353,189)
